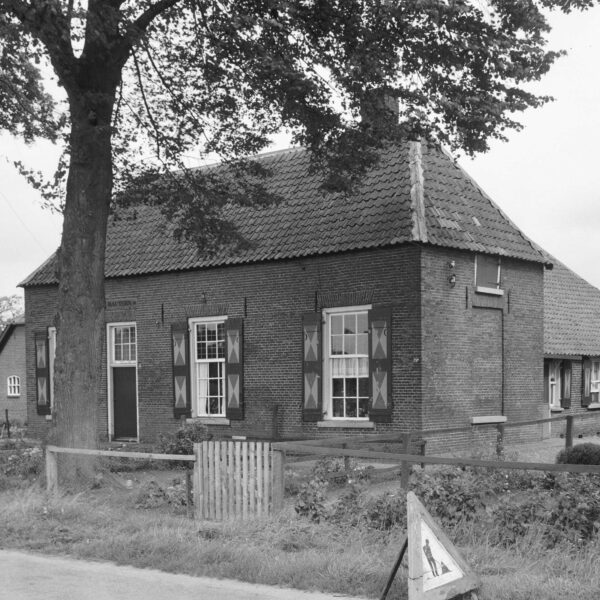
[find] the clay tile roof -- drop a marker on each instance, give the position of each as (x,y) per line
(571,313)
(309,222)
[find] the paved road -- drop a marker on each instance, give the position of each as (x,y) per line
(26,576)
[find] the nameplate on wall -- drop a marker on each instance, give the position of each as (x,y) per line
(120,310)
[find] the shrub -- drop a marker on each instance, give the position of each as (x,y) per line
(580,454)
(22,463)
(340,471)
(182,441)
(311,500)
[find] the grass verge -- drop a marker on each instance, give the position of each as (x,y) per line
(286,550)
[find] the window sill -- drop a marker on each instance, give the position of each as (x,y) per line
(594,406)
(13,396)
(209,420)
(345,424)
(491,291)
(488,419)
(557,409)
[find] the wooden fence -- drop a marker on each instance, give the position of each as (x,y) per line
(237,480)
(231,480)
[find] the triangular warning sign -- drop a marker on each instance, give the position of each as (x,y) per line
(435,568)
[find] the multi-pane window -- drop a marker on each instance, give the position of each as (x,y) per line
(348,364)
(124,344)
(14,385)
(209,364)
(554,383)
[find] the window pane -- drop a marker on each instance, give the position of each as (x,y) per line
(338,407)
(213,387)
(349,344)
(132,353)
(211,350)
(350,323)
(337,324)
(363,386)
(363,407)
(337,388)
(363,367)
(211,332)
(351,388)
(362,323)
(487,271)
(221,331)
(337,344)
(200,333)
(221,349)
(351,411)
(362,344)
(214,406)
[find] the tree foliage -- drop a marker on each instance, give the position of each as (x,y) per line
(11,307)
(147,83)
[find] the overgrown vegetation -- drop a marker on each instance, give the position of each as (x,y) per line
(530,536)
(580,454)
(183,440)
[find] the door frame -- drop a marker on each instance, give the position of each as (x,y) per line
(110,327)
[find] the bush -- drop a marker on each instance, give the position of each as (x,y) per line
(311,500)
(182,442)
(581,454)
(21,464)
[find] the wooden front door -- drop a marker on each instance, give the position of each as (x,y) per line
(125,402)
(122,357)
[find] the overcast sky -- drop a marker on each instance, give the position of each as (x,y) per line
(546,178)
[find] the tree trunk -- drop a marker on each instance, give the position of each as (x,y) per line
(80,320)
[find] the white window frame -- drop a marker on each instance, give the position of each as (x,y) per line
(595,383)
(13,386)
(327,384)
(496,291)
(198,405)
(110,363)
(51,357)
(554,384)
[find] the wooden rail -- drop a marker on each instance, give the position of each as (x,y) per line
(300,448)
(230,479)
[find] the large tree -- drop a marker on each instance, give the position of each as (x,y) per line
(219,77)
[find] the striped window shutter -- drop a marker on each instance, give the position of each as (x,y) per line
(234,369)
(565,382)
(380,364)
(312,407)
(181,370)
(42,372)
(586,382)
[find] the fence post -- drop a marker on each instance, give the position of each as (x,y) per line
(198,488)
(278,479)
(405,465)
(51,472)
(569,433)
(500,440)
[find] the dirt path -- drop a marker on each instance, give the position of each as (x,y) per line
(26,576)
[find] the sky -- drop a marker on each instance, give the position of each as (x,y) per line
(546,178)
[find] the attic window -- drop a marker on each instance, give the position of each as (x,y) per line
(487,274)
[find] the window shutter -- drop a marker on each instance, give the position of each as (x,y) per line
(380,364)
(181,370)
(234,369)
(312,407)
(586,383)
(42,372)
(547,382)
(565,378)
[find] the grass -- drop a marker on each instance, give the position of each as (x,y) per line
(104,524)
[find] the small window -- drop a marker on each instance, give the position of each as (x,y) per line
(487,274)
(595,382)
(14,386)
(124,344)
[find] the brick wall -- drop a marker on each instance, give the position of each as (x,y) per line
(482,355)
(12,362)
(271,297)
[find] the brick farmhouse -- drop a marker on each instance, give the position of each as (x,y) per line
(413,303)
(13,390)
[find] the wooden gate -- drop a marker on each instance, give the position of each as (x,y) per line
(237,480)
